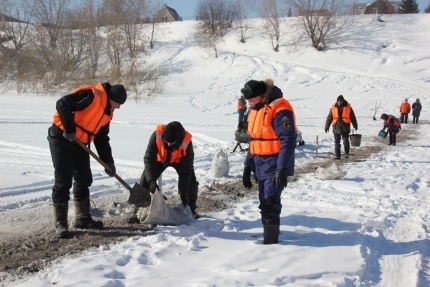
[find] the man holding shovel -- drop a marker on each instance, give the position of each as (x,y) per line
(84,115)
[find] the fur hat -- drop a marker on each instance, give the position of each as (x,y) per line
(171,133)
(253,89)
(118,94)
(340,98)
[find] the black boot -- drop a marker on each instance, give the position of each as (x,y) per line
(83,218)
(337,153)
(271,234)
(60,219)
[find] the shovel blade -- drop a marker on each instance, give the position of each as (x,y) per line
(139,196)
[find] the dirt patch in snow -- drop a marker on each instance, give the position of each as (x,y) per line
(27,246)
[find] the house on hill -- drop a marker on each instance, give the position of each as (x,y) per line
(377,7)
(167,14)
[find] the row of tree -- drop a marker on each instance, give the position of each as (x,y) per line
(54,44)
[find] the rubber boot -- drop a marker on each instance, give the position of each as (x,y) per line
(337,153)
(60,219)
(346,151)
(83,218)
(271,234)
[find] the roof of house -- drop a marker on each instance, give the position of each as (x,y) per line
(8,18)
(173,12)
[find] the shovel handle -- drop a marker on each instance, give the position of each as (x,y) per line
(90,152)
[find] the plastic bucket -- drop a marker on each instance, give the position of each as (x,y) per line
(382,134)
(355,139)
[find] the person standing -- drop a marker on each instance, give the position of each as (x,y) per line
(271,158)
(170,146)
(241,108)
(393,126)
(405,109)
(416,111)
(83,115)
(341,116)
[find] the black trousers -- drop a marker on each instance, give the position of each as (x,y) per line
(337,145)
(70,162)
(404,118)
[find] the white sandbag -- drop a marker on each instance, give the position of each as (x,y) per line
(220,165)
(159,212)
(329,171)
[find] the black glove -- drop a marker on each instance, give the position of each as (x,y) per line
(112,170)
(246,178)
(71,137)
(280,178)
(153,186)
(326,130)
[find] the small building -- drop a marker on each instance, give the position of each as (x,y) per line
(383,7)
(167,14)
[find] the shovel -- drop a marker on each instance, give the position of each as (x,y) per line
(139,195)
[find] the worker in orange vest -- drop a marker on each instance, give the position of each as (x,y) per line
(170,146)
(241,108)
(341,116)
(83,115)
(405,109)
(271,154)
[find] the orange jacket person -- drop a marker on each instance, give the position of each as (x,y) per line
(83,115)
(341,116)
(170,145)
(272,131)
(405,109)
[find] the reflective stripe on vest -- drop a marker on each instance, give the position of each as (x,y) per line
(346,114)
(263,138)
(91,119)
(177,154)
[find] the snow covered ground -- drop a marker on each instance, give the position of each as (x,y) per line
(370,228)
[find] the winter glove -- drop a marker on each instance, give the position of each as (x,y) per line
(326,131)
(280,178)
(153,186)
(71,137)
(246,178)
(112,170)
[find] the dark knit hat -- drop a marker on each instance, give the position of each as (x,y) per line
(253,89)
(171,133)
(118,94)
(384,116)
(340,98)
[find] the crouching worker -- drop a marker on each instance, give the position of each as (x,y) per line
(170,145)
(393,126)
(83,115)
(272,131)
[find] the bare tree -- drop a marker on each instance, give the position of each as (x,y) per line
(15,33)
(217,15)
(52,14)
(322,20)
(269,11)
(242,11)
(87,11)
(125,15)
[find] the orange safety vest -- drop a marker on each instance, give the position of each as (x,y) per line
(91,119)
(346,114)
(177,154)
(263,138)
(405,108)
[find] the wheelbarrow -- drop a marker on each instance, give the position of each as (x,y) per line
(139,195)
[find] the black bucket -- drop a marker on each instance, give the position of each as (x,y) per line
(355,139)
